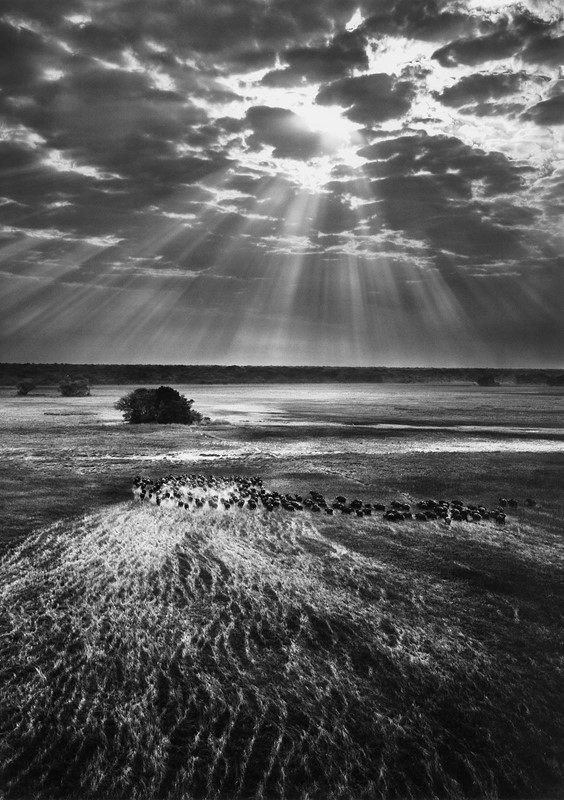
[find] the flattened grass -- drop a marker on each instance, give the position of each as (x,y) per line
(146,653)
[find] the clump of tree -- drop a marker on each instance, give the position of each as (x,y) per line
(23,388)
(163,405)
(487,380)
(74,387)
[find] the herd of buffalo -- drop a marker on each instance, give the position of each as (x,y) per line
(193,492)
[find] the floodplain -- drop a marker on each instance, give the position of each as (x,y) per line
(150,652)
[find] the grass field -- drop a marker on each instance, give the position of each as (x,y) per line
(149,653)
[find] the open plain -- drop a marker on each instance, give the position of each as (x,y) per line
(153,652)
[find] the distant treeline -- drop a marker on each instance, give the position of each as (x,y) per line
(143,374)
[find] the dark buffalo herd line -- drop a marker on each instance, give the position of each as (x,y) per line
(212,493)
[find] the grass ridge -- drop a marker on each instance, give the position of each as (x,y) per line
(148,654)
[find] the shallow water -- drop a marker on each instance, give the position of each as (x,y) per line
(375,404)
(312,419)
(393,418)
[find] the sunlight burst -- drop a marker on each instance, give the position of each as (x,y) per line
(336,131)
(337,138)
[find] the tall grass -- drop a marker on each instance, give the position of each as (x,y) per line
(146,653)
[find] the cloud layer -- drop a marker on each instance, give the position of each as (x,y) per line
(351,182)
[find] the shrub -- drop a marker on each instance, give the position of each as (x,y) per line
(487,380)
(23,388)
(163,405)
(74,387)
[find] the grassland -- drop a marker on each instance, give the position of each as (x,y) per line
(149,653)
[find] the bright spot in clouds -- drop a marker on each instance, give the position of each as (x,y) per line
(58,161)
(314,183)
(355,21)
(336,131)
(78,19)
(339,138)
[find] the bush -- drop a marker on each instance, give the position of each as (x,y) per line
(74,387)
(23,388)
(163,405)
(487,380)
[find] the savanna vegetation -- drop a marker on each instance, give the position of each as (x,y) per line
(164,406)
(142,374)
(77,386)
(23,388)
(148,652)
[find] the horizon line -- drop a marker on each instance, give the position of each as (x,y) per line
(273,366)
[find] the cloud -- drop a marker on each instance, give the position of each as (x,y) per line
(15,157)
(335,215)
(369,98)
(100,40)
(144,130)
(542,39)
(227,27)
(491,47)
(257,57)
(517,32)
(480,87)
(58,235)
(284,131)
(23,55)
(98,105)
(457,164)
(426,207)
(44,13)
(545,50)
(547,112)
(421,19)
(115,121)
(32,182)
(508,110)
(435,188)
(281,78)
(345,52)
(481,94)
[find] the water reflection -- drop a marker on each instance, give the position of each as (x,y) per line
(394,418)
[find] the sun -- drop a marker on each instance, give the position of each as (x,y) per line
(339,142)
(338,137)
(337,133)
(329,121)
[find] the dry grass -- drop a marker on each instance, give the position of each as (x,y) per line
(146,653)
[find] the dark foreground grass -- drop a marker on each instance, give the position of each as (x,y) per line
(145,654)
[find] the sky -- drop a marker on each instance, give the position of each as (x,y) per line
(338,182)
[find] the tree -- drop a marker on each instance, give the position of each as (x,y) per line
(23,388)
(163,405)
(137,406)
(74,387)
(487,380)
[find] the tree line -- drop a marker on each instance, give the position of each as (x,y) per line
(128,374)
